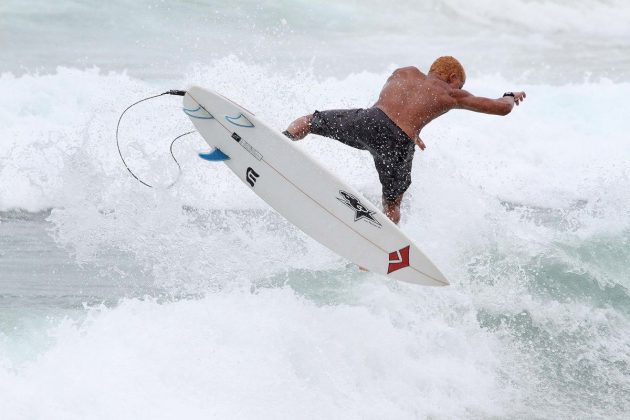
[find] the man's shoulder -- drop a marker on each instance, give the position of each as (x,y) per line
(458,93)
(409,70)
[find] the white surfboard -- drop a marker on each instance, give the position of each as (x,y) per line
(305,193)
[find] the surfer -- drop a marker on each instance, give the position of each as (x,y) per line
(409,101)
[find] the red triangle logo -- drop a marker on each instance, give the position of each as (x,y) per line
(398,259)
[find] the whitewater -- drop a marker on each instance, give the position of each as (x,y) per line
(200,301)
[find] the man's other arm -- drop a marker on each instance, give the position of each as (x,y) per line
(500,106)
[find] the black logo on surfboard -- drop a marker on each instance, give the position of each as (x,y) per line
(360,210)
(251,176)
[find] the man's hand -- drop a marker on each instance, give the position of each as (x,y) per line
(519,97)
(420,143)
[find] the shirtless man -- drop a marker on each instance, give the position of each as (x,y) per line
(408,102)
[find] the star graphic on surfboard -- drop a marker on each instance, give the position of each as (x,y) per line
(360,210)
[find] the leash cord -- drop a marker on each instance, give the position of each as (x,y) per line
(170,92)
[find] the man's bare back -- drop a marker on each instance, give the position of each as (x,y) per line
(412,100)
(409,100)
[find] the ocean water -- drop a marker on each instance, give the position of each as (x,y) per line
(199,301)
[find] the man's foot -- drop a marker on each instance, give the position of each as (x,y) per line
(299,128)
(289,135)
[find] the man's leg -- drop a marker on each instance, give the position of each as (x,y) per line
(391,208)
(300,128)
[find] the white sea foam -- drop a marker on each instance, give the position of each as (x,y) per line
(501,204)
(246,317)
(266,355)
(566,143)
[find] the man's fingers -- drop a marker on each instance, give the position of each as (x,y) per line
(519,97)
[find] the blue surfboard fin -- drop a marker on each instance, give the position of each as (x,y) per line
(215,155)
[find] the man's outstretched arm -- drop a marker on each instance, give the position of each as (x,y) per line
(500,106)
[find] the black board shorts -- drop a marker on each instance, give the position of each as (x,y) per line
(372,130)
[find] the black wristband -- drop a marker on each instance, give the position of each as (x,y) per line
(508,94)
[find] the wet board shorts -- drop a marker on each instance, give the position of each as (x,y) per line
(372,130)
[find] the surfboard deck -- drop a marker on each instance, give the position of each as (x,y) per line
(305,193)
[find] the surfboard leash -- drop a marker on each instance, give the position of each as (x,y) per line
(179,168)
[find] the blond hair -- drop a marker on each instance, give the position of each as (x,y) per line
(447,65)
